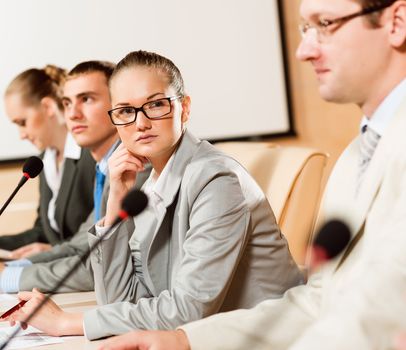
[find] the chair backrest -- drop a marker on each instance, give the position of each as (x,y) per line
(291,180)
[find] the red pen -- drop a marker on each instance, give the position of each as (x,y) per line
(13,309)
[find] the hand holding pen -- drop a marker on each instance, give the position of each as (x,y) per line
(16,307)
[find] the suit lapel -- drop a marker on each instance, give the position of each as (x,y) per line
(158,259)
(68,177)
(155,241)
(340,200)
(377,166)
(45,198)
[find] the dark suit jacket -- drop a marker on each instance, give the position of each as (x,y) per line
(73,205)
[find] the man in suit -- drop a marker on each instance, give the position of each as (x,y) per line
(356,301)
(86,100)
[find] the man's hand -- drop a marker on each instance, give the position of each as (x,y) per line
(30,249)
(400,342)
(148,340)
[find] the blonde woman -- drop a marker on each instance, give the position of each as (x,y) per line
(33,102)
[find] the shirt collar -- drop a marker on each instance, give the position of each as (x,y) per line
(386,110)
(102,165)
(154,187)
(72,149)
(162,180)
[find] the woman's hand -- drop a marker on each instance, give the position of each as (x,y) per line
(123,169)
(400,342)
(50,319)
(30,249)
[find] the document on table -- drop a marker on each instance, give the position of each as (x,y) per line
(27,338)
(7,301)
(7,297)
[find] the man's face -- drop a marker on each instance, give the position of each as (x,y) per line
(348,56)
(86,101)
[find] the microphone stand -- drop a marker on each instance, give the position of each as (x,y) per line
(20,184)
(123,215)
(31,168)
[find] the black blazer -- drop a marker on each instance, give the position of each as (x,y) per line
(73,205)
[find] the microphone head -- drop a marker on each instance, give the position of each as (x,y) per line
(332,238)
(134,202)
(33,166)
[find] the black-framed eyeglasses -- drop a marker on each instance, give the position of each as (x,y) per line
(156,109)
(322,28)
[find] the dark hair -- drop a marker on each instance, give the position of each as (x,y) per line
(150,59)
(34,84)
(373,18)
(372,3)
(87,67)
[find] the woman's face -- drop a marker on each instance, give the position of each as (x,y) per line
(31,121)
(154,139)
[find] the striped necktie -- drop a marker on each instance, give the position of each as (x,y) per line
(98,191)
(368,141)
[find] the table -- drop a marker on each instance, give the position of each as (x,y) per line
(71,302)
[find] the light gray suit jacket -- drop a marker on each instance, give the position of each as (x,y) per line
(216,247)
(49,267)
(356,301)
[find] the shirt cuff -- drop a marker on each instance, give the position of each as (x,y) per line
(84,330)
(19,262)
(10,279)
(101,231)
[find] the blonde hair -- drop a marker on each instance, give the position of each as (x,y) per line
(34,84)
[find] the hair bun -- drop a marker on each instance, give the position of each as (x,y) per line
(56,74)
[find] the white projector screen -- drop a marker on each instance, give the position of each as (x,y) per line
(229,51)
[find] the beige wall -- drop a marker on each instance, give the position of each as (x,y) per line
(21,212)
(326,126)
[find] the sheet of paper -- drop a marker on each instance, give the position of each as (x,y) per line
(64,300)
(27,338)
(7,297)
(7,301)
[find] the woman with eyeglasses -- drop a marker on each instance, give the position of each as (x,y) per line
(33,102)
(207,242)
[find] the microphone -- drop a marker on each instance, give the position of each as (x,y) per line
(31,168)
(133,204)
(330,241)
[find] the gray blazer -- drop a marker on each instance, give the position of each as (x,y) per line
(49,267)
(217,247)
